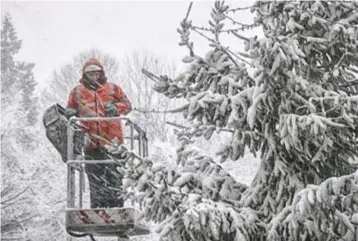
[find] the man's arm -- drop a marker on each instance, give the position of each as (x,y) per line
(121,101)
(71,107)
(72,102)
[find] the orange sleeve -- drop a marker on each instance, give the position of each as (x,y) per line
(72,103)
(121,100)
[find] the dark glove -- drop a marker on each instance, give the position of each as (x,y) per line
(111,110)
(69,112)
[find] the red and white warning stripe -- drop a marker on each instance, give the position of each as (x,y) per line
(83,216)
(104,216)
(112,216)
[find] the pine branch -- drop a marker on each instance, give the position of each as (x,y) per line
(226,50)
(241,37)
(150,75)
(248,7)
(350,83)
(203,35)
(229,53)
(176,110)
(221,31)
(7,190)
(188,12)
(244,25)
(177,125)
(240,8)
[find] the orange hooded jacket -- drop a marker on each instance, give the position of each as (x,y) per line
(91,103)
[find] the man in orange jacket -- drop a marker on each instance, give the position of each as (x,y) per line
(95,97)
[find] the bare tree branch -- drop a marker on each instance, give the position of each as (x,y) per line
(140,84)
(188,12)
(14,197)
(7,190)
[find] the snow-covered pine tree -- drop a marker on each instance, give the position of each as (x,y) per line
(310,57)
(298,110)
(18,79)
(10,86)
(17,209)
(28,86)
(33,184)
(29,105)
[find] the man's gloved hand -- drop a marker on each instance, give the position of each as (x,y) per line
(69,112)
(111,109)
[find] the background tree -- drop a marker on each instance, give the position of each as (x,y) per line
(33,182)
(298,110)
(17,119)
(144,98)
(28,85)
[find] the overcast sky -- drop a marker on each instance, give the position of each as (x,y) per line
(54,32)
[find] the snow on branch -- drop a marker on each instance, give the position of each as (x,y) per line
(325,212)
(294,108)
(161,190)
(210,220)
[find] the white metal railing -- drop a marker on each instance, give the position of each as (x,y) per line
(138,142)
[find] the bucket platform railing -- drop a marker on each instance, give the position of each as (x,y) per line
(100,221)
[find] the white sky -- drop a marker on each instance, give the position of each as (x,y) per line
(53,32)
